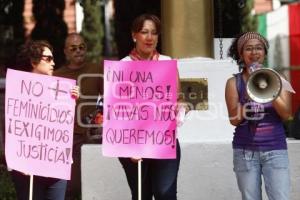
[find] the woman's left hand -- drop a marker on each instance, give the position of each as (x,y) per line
(75,92)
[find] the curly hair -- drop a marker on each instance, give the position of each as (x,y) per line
(31,52)
(233,49)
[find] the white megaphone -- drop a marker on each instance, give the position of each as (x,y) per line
(264,85)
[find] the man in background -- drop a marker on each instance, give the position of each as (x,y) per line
(89,79)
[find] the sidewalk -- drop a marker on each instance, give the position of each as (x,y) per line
(205,173)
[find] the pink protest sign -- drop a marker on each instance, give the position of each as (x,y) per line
(140,109)
(39,120)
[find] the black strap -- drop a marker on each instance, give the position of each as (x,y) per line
(240,85)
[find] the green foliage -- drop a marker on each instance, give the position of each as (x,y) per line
(7,190)
(249,20)
(93,29)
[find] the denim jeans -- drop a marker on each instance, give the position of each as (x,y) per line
(43,188)
(159,177)
(273,166)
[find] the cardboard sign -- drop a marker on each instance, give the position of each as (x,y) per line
(39,121)
(140,109)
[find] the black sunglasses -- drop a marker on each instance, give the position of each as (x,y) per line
(46,58)
(80,47)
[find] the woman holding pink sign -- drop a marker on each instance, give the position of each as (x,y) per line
(158,176)
(36,57)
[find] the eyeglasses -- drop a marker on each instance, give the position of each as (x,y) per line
(80,47)
(46,58)
(254,48)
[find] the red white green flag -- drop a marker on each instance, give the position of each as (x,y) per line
(282,29)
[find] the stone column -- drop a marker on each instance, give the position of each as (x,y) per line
(187,28)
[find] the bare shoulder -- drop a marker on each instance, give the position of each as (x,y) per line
(230,89)
(230,82)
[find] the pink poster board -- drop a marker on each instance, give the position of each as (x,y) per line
(39,121)
(140,109)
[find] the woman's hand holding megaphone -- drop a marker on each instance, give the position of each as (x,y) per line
(254,66)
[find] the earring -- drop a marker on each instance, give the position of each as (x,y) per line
(134,40)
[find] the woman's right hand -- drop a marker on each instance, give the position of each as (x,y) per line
(75,92)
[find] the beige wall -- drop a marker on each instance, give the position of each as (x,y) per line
(187,28)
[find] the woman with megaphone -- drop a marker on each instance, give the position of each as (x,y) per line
(259,142)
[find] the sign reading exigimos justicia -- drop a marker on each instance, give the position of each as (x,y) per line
(39,120)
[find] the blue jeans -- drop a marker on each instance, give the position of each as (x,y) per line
(43,188)
(250,166)
(159,177)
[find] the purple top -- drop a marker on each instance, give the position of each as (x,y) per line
(263,129)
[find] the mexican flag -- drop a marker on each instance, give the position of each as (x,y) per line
(282,29)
